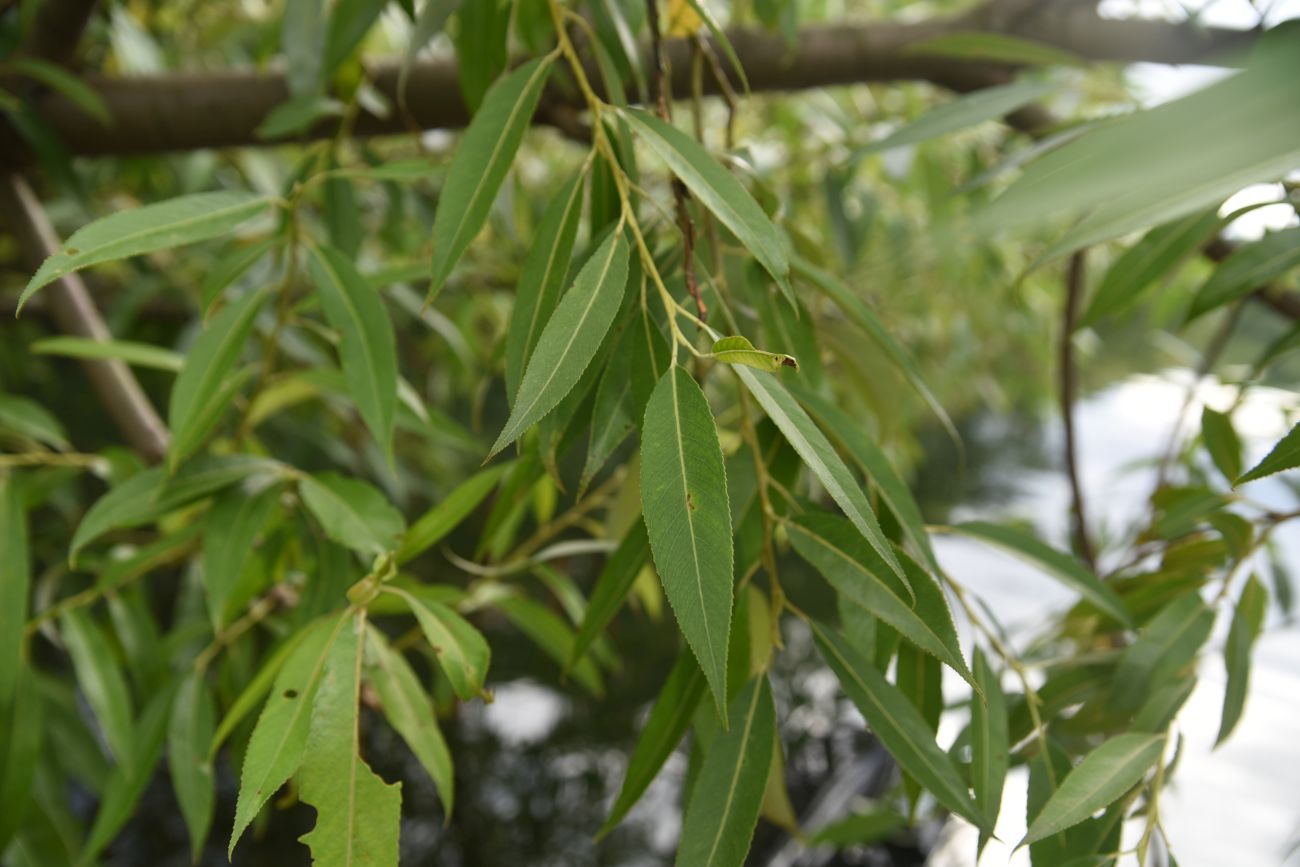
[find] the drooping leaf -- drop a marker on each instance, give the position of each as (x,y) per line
(612,586)
(22,730)
(1221,442)
(1104,775)
(230,268)
(718,190)
(440,520)
(724,806)
(137,354)
(408,708)
(367,348)
(821,458)
(1059,565)
(352,512)
(989,741)
(983,105)
(570,339)
(276,748)
(302,37)
(481,48)
(899,726)
(27,418)
(1165,646)
(159,226)
(477,170)
(997,47)
(548,631)
(66,84)
(1247,269)
(198,393)
(256,689)
(1284,456)
(193,718)
(15,586)
(230,533)
(350,21)
(738,350)
(837,551)
(614,414)
(101,681)
(541,280)
(460,648)
(688,518)
(1247,621)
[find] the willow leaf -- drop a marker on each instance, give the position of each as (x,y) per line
(352,512)
(989,741)
(612,586)
(460,648)
(440,520)
(193,718)
(1247,621)
(738,350)
(100,678)
(133,353)
(15,585)
(1284,456)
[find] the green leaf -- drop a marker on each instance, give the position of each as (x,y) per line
(358,815)
(820,457)
(137,354)
(1103,776)
(410,711)
(860,829)
(22,728)
(996,47)
(68,85)
(477,170)
(160,226)
(460,648)
(722,40)
(100,678)
(728,793)
(432,18)
(276,747)
(989,741)
(688,518)
(302,37)
(549,632)
(1221,442)
(1247,622)
(350,21)
(230,533)
(193,718)
(667,724)
(1157,254)
(1059,565)
(1247,269)
(15,587)
(352,512)
(367,348)
(1284,456)
(570,339)
(198,394)
(541,279)
(718,190)
(832,546)
(987,104)
(444,517)
(899,725)
(614,414)
(482,37)
(738,350)
(612,586)
(1165,646)
(256,689)
(27,418)
(230,268)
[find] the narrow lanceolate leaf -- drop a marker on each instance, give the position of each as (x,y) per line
(899,725)
(861,577)
(1247,621)
(989,742)
(21,733)
(352,512)
(669,719)
(461,649)
(28,419)
(133,353)
(1222,442)
(542,279)
(612,587)
(550,632)
(997,47)
(821,458)
(276,747)
(1247,269)
(101,681)
(193,719)
(358,815)
(367,349)
(477,170)
(440,520)
(738,350)
(987,104)
(409,710)
(15,584)
(614,415)
(208,364)
(1059,565)
(570,339)
(1166,646)
(302,37)
(1284,456)
(688,517)
(230,533)
(718,190)
(1102,777)
(719,823)
(160,226)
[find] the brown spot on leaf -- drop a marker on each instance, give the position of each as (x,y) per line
(291,693)
(690,501)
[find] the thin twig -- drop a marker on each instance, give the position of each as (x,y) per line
(1069,385)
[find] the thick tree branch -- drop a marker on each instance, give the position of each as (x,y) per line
(223,109)
(114,384)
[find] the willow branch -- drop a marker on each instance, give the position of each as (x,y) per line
(1075,281)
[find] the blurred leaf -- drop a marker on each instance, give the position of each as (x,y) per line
(1284,456)
(1247,622)
(481,45)
(614,413)
(687,514)
(350,21)
(230,533)
(100,679)
(1165,646)
(158,226)
(549,632)
(66,84)
(15,587)
(27,418)
(138,354)
(1221,442)
(987,104)
(721,39)
(229,268)
(22,729)
(193,718)
(612,586)
(996,47)
(302,37)
(860,829)
(460,649)
(352,512)
(990,742)
(1250,267)
(428,23)
(446,515)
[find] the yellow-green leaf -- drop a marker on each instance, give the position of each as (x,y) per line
(738,350)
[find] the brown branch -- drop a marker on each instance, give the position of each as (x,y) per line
(184,111)
(1075,284)
(113,382)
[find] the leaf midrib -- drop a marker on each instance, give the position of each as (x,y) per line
(735,775)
